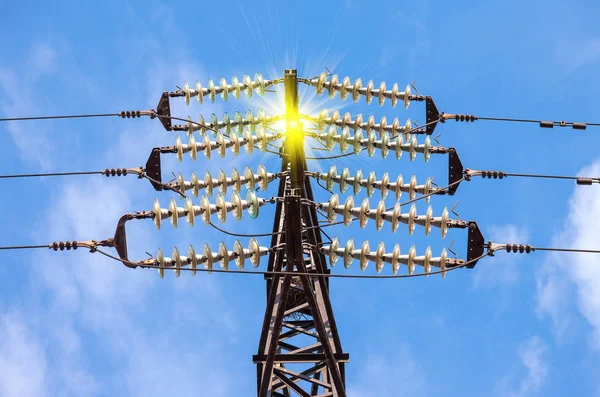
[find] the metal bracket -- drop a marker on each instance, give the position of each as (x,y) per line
(153,168)
(476,244)
(120,239)
(433,114)
(163,109)
(455,170)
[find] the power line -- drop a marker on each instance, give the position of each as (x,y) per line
(584,251)
(542,123)
(76,116)
(544,176)
(21,247)
(51,174)
(139,172)
(489,174)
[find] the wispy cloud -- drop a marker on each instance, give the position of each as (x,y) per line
(533,360)
(80,299)
(46,63)
(89,296)
(376,381)
(578,271)
(22,359)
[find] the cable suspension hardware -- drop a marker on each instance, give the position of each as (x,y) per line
(457,173)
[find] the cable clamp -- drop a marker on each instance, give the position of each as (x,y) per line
(138,171)
(493,247)
(439,150)
(110,242)
(468,173)
(147,262)
(457,224)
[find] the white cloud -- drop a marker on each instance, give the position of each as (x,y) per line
(375,379)
(19,84)
(89,297)
(156,369)
(554,296)
(532,359)
(577,272)
(23,366)
(43,58)
(532,354)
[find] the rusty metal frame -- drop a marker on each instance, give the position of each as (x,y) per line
(476,244)
(163,109)
(153,169)
(298,306)
(455,171)
(432,114)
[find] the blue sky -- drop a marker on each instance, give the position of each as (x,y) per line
(79,324)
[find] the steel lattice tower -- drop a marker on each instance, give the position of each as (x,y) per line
(299,352)
(299,326)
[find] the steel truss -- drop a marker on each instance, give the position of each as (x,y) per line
(299,353)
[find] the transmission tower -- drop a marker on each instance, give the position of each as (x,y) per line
(298,305)
(299,350)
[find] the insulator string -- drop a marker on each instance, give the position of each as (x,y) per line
(206,127)
(400,204)
(285,273)
(334,223)
(445,188)
(392,136)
